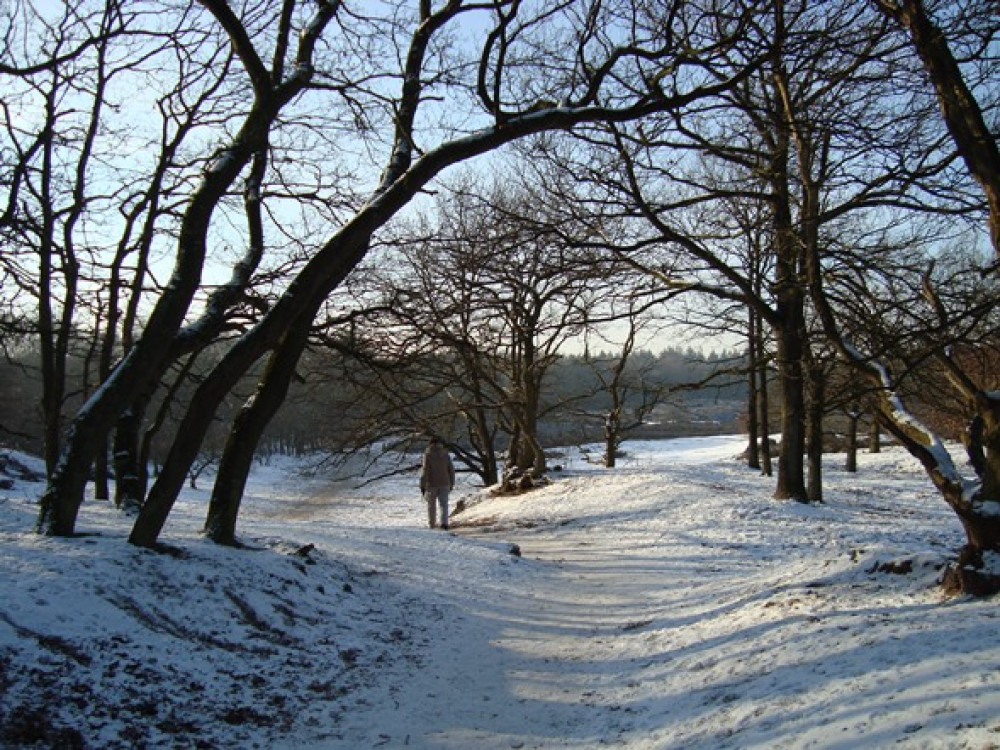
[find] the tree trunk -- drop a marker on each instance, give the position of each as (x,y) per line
(764,402)
(144,363)
(214,388)
(851,464)
(148,359)
(753,409)
(102,482)
(970,574)
(513,446)
(874,435)
(533,457)
(790,301)
(979,513)
(817,405)
(613,420)
(130,473)
(63,495)
(482,438)
(530,456)
(190,434)
(611,440)
(791,458)
(249,425)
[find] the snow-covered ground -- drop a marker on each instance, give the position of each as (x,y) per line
(668,603)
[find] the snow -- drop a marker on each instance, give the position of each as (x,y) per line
(935,447)
(667,603)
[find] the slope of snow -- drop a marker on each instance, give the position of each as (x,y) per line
(668,603)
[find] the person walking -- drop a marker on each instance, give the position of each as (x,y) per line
(437,479)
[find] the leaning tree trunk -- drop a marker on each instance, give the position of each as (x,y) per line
(191,432)
(183,451)
(143,364)
(977,504)
(977,571)
(87,433)
(249,425)
(149,358)
(298,303)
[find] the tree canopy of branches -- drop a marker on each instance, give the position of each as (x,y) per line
(401,90)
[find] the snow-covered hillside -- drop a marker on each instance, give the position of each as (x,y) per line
(669,603)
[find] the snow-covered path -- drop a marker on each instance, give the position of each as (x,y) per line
(537,663)
(678,609)
(669,604)
(527,653)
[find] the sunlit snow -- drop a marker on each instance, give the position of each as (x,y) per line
(667,603)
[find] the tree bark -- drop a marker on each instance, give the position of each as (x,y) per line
(874,435)
(816,409)
(765,410)
(791,457)
(851,463)
(972,136)
(788,289)
(482,438)
(130,471)
(249,425)
(143,365)
(183,451)
(753,407)
(611,428)
(149,358)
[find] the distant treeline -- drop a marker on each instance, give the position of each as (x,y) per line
(694,393)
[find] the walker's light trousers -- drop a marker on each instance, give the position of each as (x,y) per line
(437,496)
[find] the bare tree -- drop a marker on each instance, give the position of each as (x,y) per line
(948,315)
(632,390)
(597,84)
(960,108)
(799,141)
(493,294)
(149,357)
(948,331)
(54,101)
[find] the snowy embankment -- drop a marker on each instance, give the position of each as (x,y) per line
(669,603)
